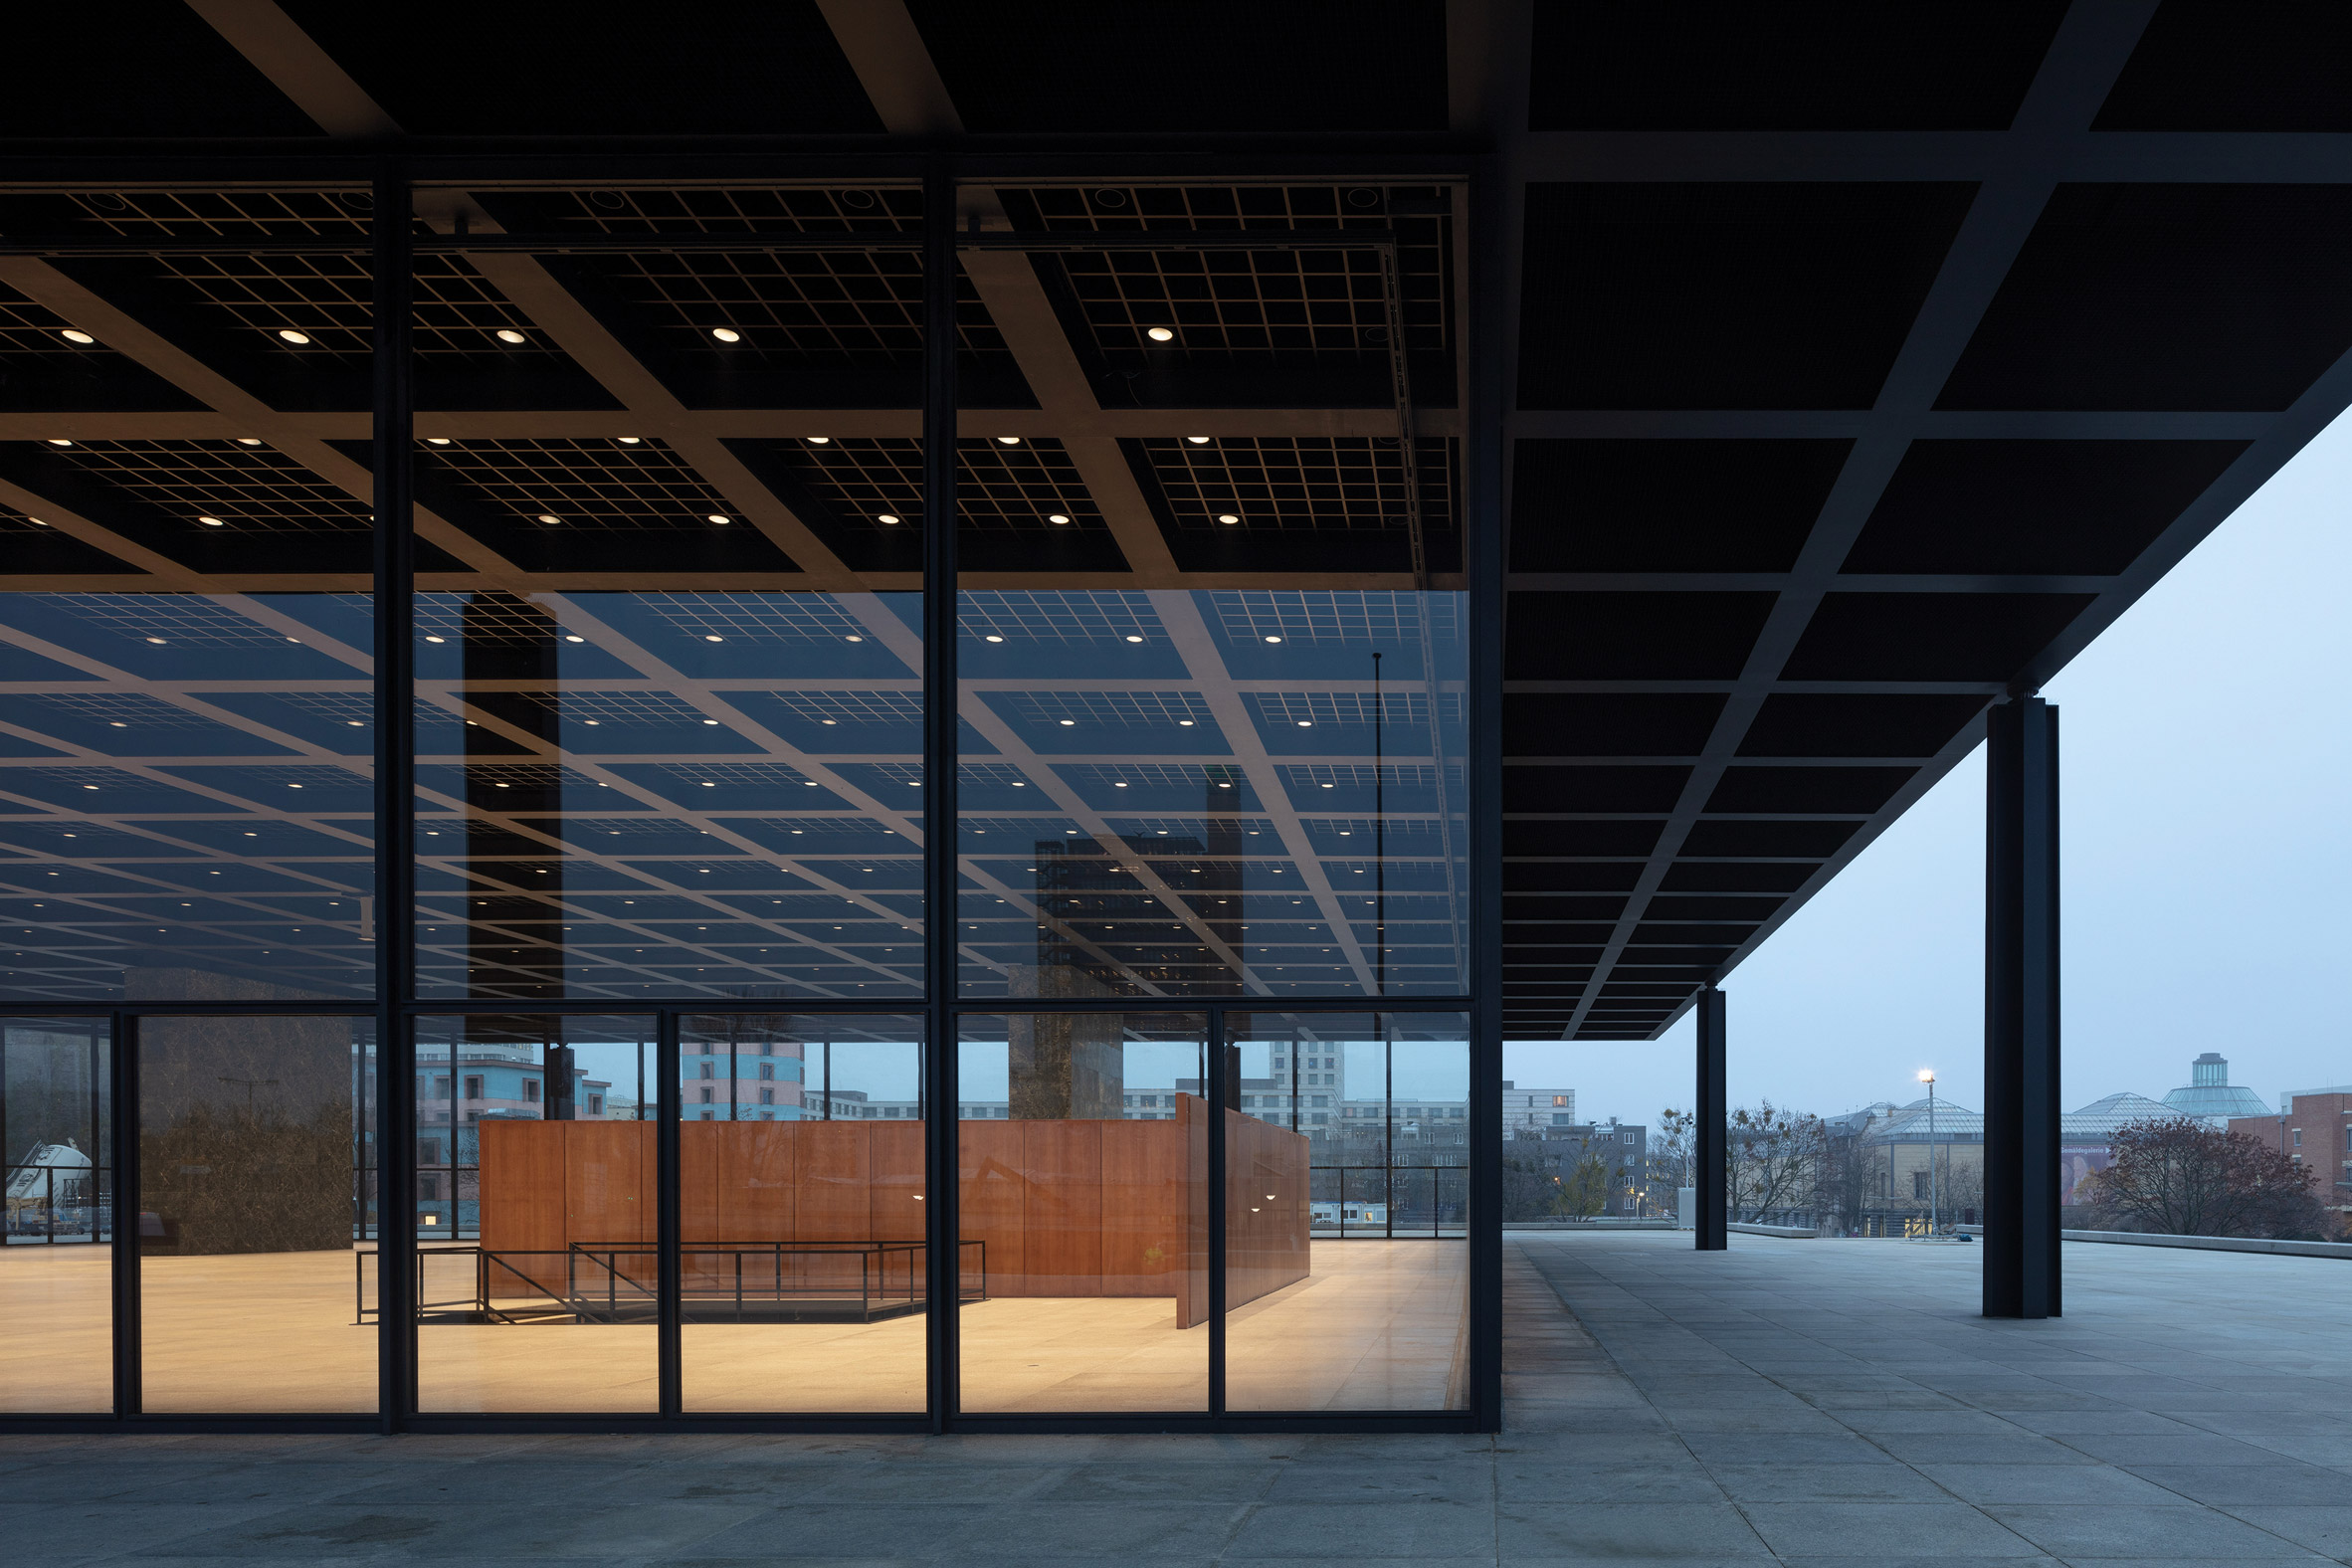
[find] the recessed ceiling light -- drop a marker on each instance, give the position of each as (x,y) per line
(1119,784)
(157,641)
(1021,784)
(707,784)
(1069,723)
(993,638)
(249,440)
(37,523)
(59,441)
(573,637)
(436,441)
(828,722)
(436,638)
(727,335)
(888,517)
(211,522)
(710,721)
(820,441)
(1326,786)
(1135,638)
(292,337)
(631,441)
(1307,723)
(1198,441)
(1226,516)
(508,334)
(1008,441)
(548,517)
(117,723)
(70,335)
(1273,639)
(712,636)
(1160,334)
(592,724)
(720,517)
(1184,724)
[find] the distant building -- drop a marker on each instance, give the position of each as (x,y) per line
(2312,1126)
(1535,1111)
(1906,1165)
(2210,1097)
(1624,1150)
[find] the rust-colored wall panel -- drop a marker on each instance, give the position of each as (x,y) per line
(522,1202)
(1062,1206)
(991,1184)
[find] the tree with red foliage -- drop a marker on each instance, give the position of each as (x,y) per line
(2176,1177)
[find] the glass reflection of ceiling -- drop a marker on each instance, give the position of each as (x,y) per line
(654,759)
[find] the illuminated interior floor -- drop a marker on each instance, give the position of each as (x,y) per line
(55,1329)
(1377,1325)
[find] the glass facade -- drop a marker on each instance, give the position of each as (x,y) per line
(857,797)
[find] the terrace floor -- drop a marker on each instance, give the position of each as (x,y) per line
(1831,1402)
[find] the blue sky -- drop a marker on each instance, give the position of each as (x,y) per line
(2207,858)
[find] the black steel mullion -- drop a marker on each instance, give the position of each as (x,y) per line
(393,384)
(1215,1071)
(668,1275)
(942,1228)
(125,1271)
(1485,542)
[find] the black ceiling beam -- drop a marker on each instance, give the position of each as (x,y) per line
(697,240)
(2084,59)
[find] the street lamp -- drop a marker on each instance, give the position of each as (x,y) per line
(1927,1077)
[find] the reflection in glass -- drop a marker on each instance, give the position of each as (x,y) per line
(632,793)
(1083,1179)
(801,1211)
(1204,793)
(1376,1108)
(536,1214)
(256,1171)
(186,807)
(56,1302)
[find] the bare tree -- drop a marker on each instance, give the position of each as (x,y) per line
(1672,1147)
(2177,1177)
(1774,1157)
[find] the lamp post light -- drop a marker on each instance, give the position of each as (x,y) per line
(1927,1077)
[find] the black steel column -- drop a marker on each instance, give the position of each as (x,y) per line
(123,1028)
(946,1265)
(1483,546)
(1709,1154)
(395,793)
(2021,1265)
(669,1275)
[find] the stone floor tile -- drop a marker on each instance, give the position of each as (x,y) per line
(1936,1529)
(1624,1530)
(2072,1530)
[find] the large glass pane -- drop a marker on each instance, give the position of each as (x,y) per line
(536,1214)
(56,1294)
(801,1207)
(1083,1179)
(669,691)
(257,1288)
(1211,638)
(1348,1276)
(184,604)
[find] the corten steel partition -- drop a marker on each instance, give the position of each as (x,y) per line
(389,1217)
(2022,1267)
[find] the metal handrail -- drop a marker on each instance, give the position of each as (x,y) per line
(1389,1228)
(95,1203)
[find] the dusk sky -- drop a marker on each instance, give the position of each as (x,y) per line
(2204,741)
